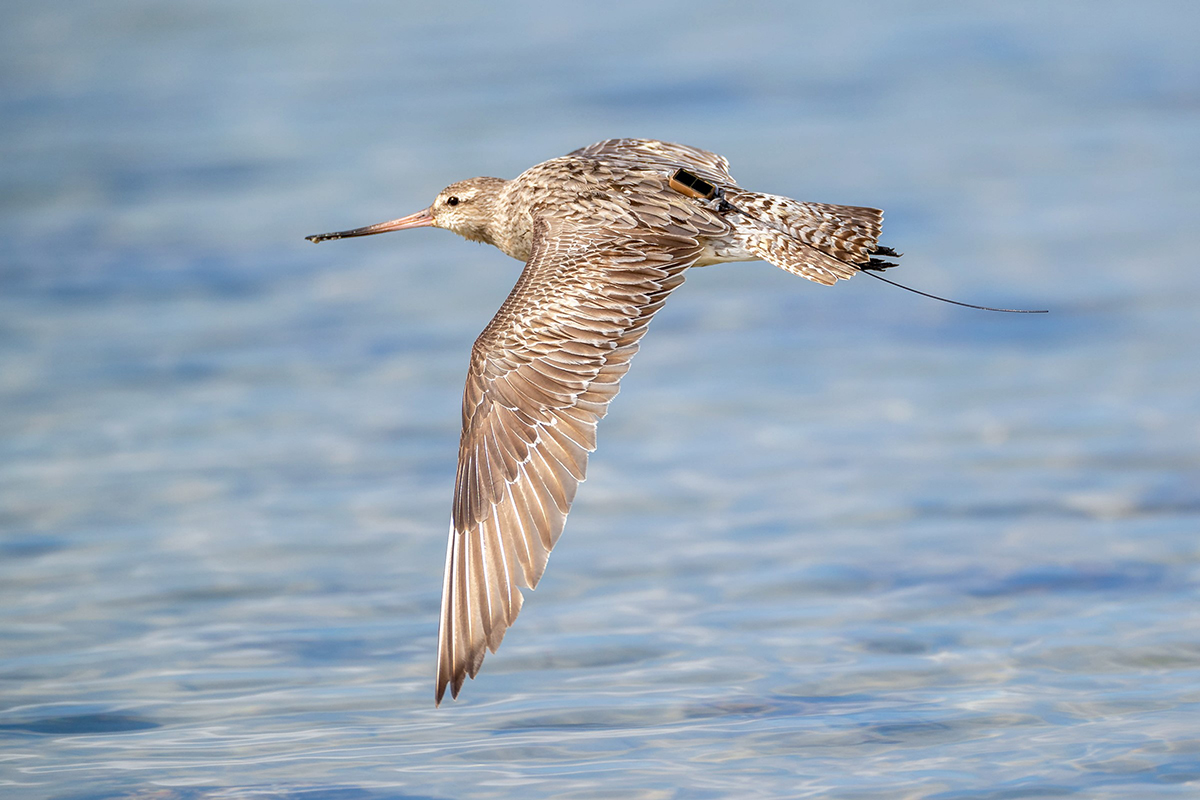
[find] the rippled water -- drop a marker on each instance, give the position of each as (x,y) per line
(836,542)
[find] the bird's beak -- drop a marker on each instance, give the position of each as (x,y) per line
(421,219)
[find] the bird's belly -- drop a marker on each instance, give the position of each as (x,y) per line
(723,250)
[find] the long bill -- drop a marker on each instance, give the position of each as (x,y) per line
(421,219)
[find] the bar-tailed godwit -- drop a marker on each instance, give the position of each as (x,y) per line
(606,232)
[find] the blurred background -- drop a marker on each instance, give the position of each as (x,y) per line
(836,542)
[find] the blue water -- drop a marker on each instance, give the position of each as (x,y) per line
(837,542)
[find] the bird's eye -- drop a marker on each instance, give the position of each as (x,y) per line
(451,201)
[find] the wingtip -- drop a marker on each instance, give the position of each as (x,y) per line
(454,684)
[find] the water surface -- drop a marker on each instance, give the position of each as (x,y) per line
(842,543)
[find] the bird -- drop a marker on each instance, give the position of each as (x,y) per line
(606,233)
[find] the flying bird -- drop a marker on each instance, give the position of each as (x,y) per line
(606,233)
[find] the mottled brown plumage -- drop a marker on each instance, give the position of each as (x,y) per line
(605,239)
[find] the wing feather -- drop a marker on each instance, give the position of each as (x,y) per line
(541,377)
(653,153)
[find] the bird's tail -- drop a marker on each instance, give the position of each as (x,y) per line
(818,241)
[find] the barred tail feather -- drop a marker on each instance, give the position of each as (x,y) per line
(819,241)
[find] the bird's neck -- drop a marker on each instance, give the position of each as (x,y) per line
(511,222)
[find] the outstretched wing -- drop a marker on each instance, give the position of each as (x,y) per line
(653,153)
(542,374)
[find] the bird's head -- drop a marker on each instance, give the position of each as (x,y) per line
(465,207)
